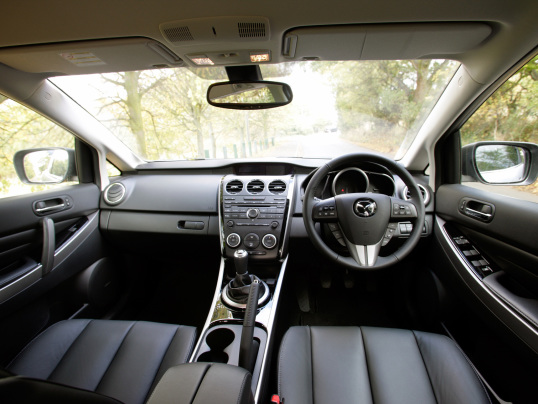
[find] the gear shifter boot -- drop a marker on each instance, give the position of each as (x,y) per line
(238,291)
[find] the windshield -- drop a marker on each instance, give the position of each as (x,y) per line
(337,108)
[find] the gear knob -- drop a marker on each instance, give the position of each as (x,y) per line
(241,262)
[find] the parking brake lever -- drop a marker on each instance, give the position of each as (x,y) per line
(248,347)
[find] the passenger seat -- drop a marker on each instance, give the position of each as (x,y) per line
(119,359)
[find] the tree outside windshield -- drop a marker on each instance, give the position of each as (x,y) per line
(337,108)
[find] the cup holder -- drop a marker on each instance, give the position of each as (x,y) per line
(217,340)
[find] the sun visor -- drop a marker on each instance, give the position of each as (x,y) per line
(88,57)
(384,41)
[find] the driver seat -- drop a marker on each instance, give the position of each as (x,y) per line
(374,365)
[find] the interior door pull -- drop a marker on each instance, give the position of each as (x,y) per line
(50,208)
(49,245)
(479,210)
(483,216)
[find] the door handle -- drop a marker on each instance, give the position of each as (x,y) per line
(52,205)
(480,210)
(50,208)
(477,214)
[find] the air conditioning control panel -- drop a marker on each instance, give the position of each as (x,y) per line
(253,214)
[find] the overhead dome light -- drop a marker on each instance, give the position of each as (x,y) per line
(202,61)
(260,57)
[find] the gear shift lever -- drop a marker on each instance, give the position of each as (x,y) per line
(236,292)
(242,278)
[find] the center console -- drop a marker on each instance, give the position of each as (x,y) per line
(253,214)
(254,217)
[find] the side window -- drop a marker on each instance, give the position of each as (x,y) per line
(510,114)
(111,170)
(20,129)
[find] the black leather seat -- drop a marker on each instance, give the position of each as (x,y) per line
(374,365)
(119,359)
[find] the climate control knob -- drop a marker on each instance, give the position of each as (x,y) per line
(233,240)
(269,241)
(253,213)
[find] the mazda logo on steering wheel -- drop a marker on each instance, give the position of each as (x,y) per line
(365,207)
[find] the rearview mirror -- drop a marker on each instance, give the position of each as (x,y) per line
(49,165)
(513,163)
(249,94)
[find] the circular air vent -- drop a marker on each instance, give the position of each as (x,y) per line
(234,187)
(277,187)
(423,191)
(255,186)
(114,193)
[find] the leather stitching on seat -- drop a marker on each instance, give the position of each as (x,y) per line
(437,399)
(189,351)
(68,349)
(115,354)
(154,382)
(286,336)
(39,335)
(363,345)
(209,365)
(243,383)
(472,367)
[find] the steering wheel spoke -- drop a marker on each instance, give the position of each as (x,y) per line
(364,255)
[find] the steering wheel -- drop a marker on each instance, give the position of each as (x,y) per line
(363,217)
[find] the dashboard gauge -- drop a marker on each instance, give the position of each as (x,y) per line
(349,181)
(381,184)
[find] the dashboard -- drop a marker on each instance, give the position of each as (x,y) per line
(255,205)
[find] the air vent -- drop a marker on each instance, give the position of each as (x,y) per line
(178,34)
(423,191)
(234,187)
(255,186)
(114,193)
(251,29)
(277,187)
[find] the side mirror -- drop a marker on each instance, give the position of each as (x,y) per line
(249,94)
(501,163)
(48,165)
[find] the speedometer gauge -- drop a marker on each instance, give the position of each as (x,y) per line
(349,181)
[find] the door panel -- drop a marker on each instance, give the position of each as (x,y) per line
(71,240)
(496,261)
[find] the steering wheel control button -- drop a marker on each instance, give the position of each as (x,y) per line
(325,209)
(253,213)
(252,240)
(365,207)
(404,210)
(269,241)
(233,240)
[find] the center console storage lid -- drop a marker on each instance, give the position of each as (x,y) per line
(203,383)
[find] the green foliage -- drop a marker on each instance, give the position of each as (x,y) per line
(511,113)
(21,128)
(381,102)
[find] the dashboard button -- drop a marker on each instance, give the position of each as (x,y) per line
(252,240)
